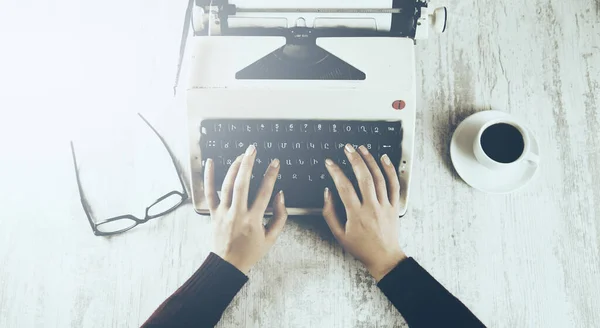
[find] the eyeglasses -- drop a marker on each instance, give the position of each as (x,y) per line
(119,224)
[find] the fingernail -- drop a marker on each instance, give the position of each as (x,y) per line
(275,163)
(349,148)
(281,197)
(326,193)
(386,159)
(209,163)
(250,150)
(328,162)
(363,150)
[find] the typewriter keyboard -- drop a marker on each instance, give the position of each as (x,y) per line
(301,147)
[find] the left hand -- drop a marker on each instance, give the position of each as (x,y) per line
(240,237)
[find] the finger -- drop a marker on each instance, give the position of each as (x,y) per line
(363,176)
(392,180)
(212,199)
(227,188)
(343,185)
(378,179)
(280,216)
(263,197)
(331,217)
(242,181)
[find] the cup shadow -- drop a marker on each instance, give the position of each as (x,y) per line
(446,131)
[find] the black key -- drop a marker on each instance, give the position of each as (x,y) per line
(326,146)
(318,179)
(306,127)
(241,144)
(349,128)
(226,145)
(291,127)
(363,129)
(311,145)
(391,128)
(287,163)
(228,161)
(269,145)
(260,165)
(376,129)
(294,176)
(335,127)
(315,162)
(297,145)
(371,147)
(386,148)
(301,162)
(210,144)
(343,163)
(283,145)
(276,127)
(340,145)
(248,128)
(261,127)
(234,127)
(320,127)
(219,127)
(322,176)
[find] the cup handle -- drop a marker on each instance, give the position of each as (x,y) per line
(533,158)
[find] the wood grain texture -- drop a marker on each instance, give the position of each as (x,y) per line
(528,259)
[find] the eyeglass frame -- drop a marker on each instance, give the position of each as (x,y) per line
(87,208)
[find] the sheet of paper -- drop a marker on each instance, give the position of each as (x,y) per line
(313,4)
(379,21)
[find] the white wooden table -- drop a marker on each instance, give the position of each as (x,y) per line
(529,259)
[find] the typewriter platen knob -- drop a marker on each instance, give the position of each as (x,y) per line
(438,19)
(198,19)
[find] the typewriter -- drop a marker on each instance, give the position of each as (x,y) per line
(299,81)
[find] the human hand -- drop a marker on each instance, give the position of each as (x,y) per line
(371,230)
(240,237)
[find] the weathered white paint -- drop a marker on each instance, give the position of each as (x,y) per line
(530,259)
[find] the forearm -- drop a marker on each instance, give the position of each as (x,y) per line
(202,299)
(422,301)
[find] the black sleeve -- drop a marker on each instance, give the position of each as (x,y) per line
(422,301)
(201,300)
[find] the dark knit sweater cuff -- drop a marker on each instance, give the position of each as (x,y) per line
(201,300)
(405,281)
(221,277)
(422,300)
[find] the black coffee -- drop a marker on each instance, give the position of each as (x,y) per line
(503,143)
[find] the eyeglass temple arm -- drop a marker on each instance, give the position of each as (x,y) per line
(84,203)
(173,158)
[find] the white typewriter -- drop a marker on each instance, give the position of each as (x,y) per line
(299,80)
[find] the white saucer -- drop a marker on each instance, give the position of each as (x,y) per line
(479,176)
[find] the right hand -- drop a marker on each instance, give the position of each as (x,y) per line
(371,230)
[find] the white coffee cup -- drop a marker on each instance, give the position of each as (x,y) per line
(508,125)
